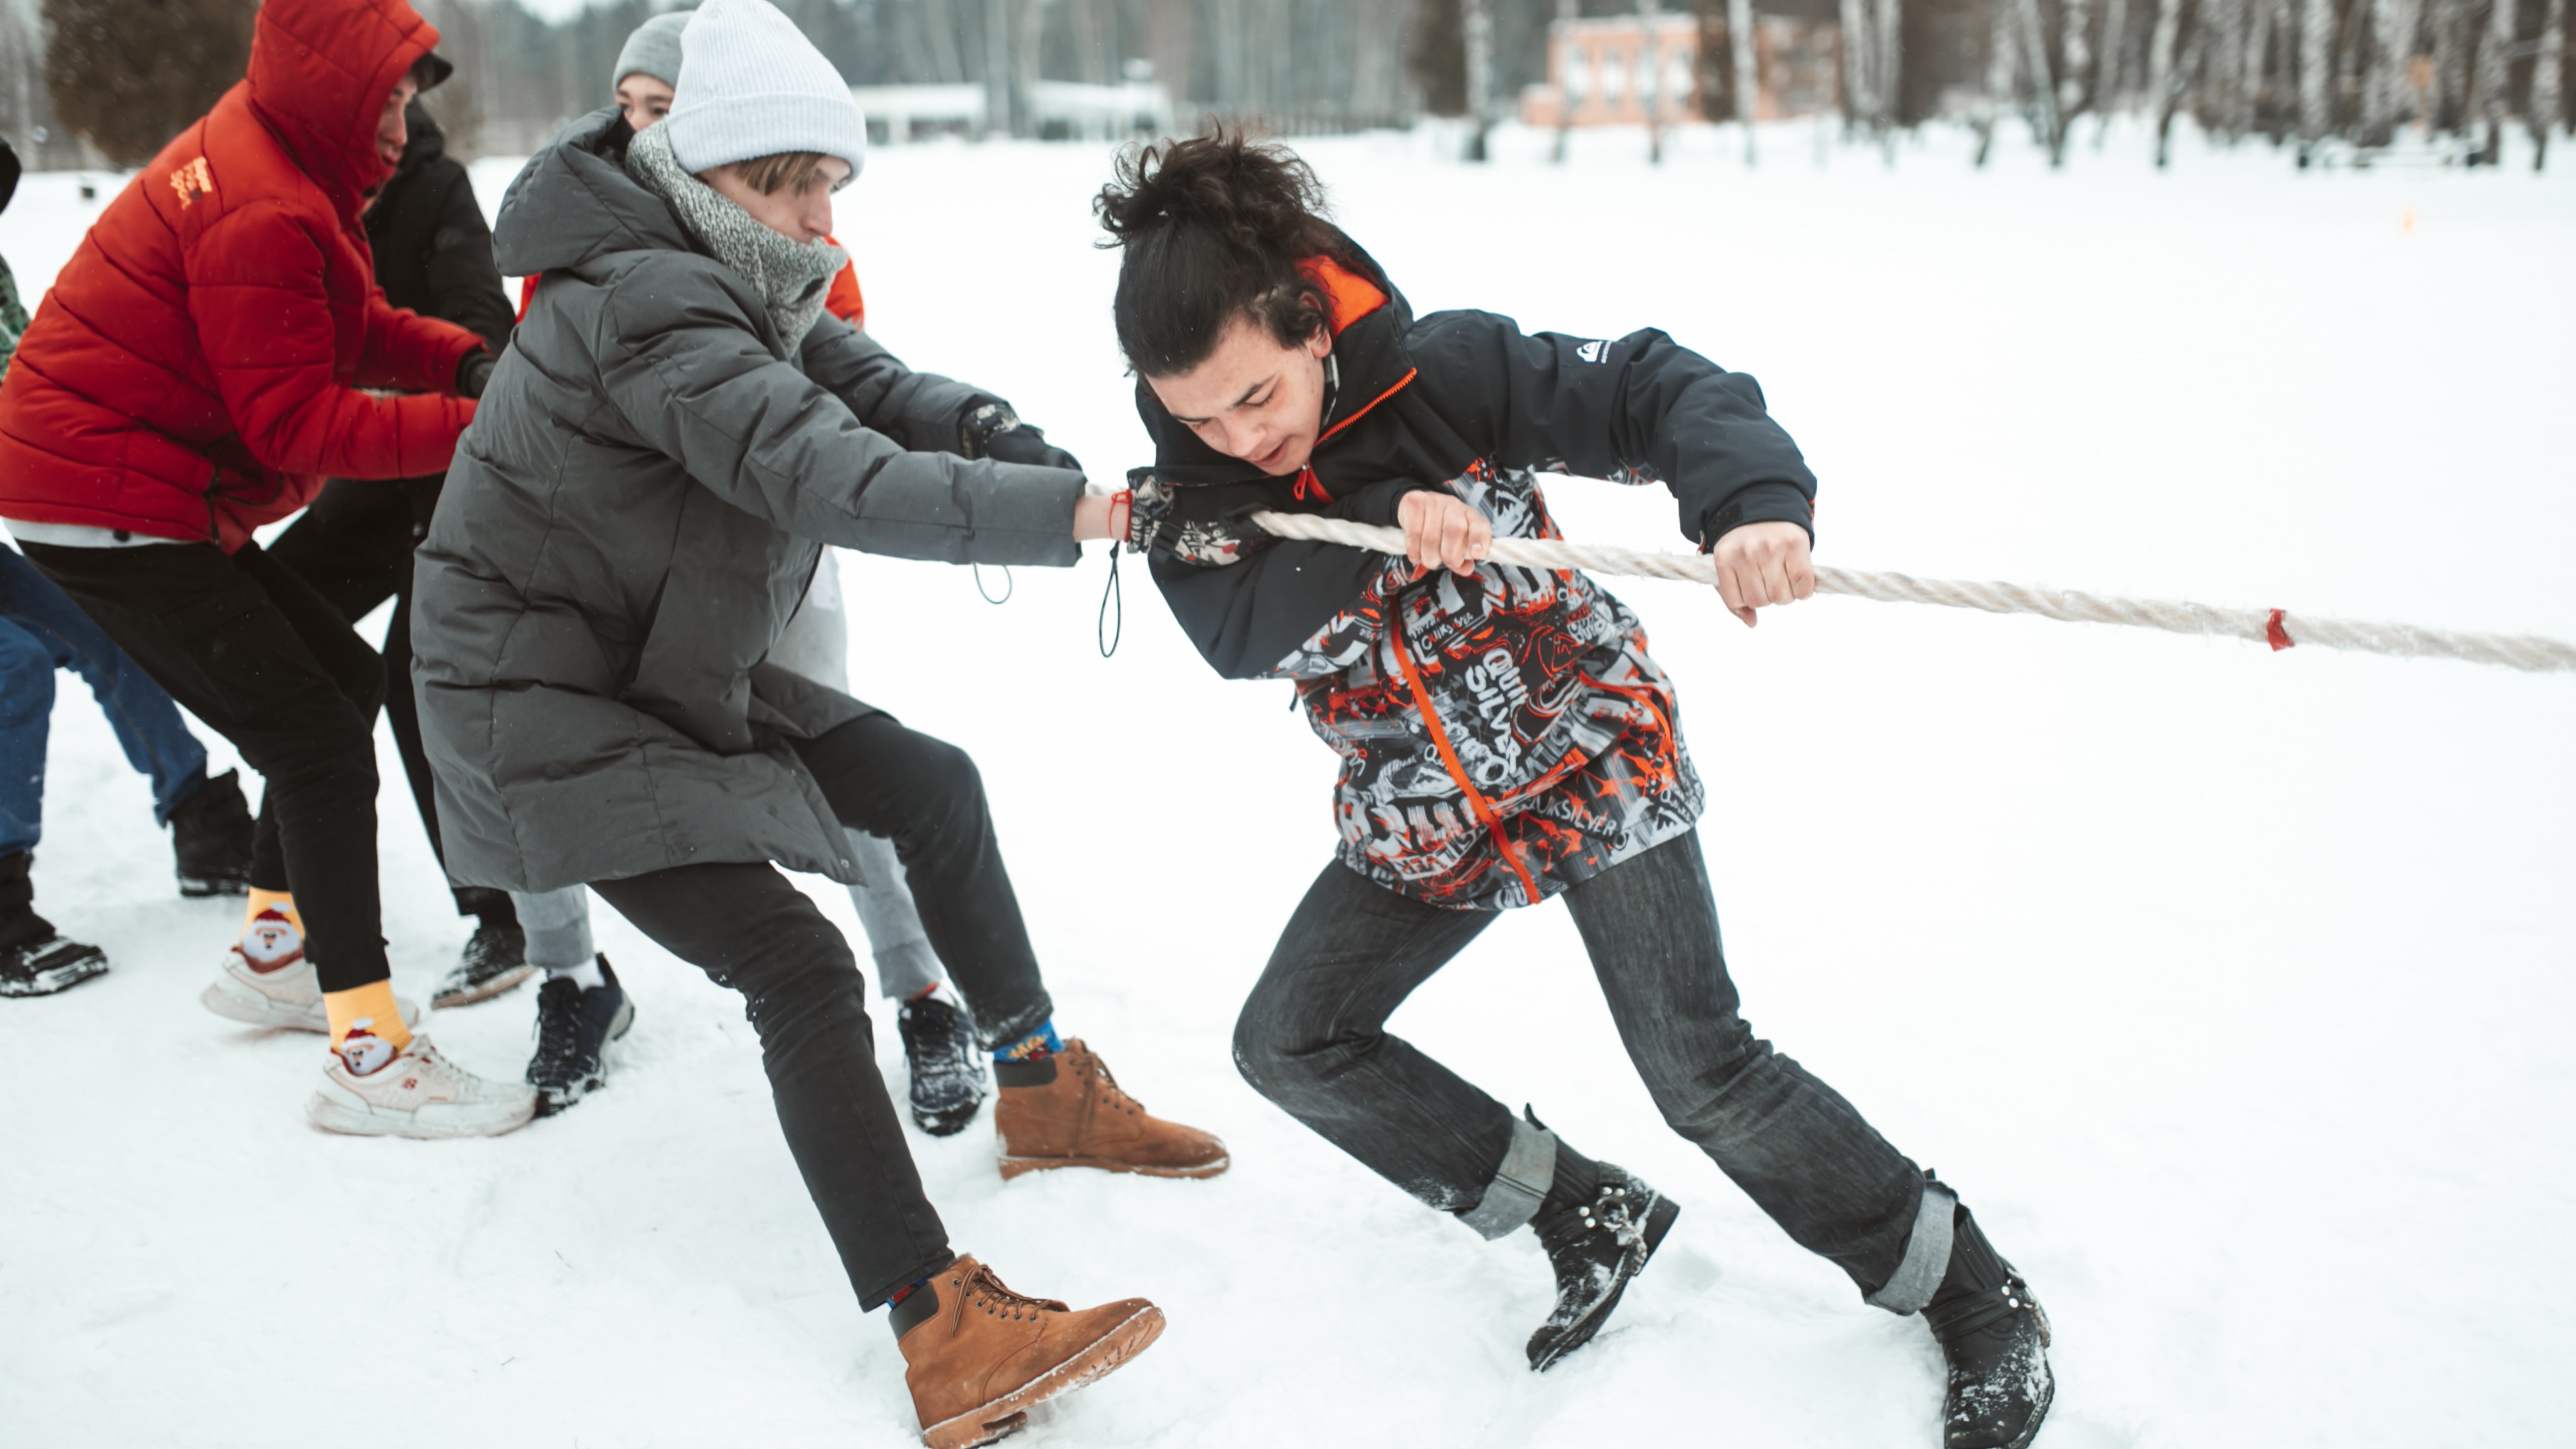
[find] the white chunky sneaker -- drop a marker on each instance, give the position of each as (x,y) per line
(287,995)
(415,1093)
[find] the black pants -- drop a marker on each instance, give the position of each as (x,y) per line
(251,649)
(746,927)
(1312,1038)
(354,546)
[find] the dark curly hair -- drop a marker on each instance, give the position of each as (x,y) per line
(1213,228)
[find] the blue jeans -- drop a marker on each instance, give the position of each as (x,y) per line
(42,630)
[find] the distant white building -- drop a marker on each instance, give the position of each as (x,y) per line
(1061,110)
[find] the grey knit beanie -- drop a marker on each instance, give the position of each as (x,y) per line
(654,50)
(752,85)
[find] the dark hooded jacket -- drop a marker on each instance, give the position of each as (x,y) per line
(632,520)
(1504,736)
(218,345)
(433,248)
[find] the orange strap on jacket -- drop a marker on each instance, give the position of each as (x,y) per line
(1476,800)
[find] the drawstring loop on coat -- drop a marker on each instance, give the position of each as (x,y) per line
(1108,631)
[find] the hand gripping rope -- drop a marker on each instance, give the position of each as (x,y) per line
(2271,626)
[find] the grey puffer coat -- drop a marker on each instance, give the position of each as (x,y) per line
(630,523)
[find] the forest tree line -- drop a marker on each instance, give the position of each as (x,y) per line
(2330,77)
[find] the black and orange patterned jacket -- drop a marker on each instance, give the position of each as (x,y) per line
(1502,736)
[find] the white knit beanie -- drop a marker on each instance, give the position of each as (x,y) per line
(654,50)
(752,85)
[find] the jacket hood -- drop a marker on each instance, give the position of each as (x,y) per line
(1369,318)
(319,74)
(574,203)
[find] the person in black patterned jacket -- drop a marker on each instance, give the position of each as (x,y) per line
(1505,735)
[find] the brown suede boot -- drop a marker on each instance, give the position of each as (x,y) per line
(985,1354)
(1067,1111)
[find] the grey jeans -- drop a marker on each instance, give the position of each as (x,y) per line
(1313,1039)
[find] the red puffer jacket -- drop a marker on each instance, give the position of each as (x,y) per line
(197,369)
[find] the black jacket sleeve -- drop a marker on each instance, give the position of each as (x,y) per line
(1638,409)
(464,283)
(1249,615)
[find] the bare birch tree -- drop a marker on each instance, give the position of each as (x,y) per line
(1748,82)
(2003,74)
(2162,91)
(1567,12)
(2495,77)
(2074,59)
(2251,69)
(1858,40)
(1478,22)
(1649,80)
(2451,46)
(2111,69)
(2043,87)
(2392,35)
(1887,71)
(2316,73)
(2545,77)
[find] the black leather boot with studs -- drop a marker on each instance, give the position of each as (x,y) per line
(1596,1247)
(1995,1337)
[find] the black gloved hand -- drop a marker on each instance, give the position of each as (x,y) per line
(473,373)
(1025,444)
(989,429)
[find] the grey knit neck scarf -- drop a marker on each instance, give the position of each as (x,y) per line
(792,277)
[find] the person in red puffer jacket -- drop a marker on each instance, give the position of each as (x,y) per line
(215,349)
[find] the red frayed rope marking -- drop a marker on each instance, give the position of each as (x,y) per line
(2275,627)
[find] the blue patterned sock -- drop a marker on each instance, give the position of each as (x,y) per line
(1036,1046)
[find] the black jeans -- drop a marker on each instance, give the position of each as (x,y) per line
(1312,1038)
(354,546)
(251,649)
(746,927)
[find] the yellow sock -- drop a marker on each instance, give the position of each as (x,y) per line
(366,1025)
(272,937)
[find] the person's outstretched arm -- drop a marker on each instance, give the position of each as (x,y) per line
(695,383)
(263,319)
(922,410)
(1639,409)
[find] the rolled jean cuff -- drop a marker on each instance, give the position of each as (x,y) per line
(1519,1185)
(1927,1253)
(870,1300)
(1012,1027)
(557,925)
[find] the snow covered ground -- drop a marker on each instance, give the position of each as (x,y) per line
(2231,988)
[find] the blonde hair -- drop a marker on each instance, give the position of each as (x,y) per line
(770,174)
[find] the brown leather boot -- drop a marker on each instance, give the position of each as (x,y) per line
(1067,1111)
(985,1354)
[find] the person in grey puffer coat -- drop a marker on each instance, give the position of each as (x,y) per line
(654,470)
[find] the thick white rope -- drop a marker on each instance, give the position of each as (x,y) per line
(2272,626)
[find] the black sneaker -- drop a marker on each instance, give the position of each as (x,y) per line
(1995,1337)
(575,1024)
(210,835)
(38,961)
(495,960)
(948,1078)
(1596,1248)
